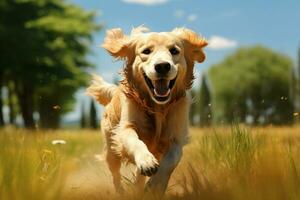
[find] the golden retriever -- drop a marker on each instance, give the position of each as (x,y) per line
(146,116)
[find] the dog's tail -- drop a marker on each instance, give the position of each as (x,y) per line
(101,90)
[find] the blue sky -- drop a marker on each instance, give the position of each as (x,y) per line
(227,25)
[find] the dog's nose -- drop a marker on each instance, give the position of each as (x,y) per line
(162,68)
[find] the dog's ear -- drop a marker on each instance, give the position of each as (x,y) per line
(193,43)
(116,43)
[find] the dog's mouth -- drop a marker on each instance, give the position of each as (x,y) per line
(161,88)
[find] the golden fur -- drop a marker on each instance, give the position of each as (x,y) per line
(137,127)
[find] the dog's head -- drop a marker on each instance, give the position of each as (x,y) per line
(158,64)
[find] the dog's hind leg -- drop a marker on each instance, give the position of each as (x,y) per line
(114,164)
(113,160)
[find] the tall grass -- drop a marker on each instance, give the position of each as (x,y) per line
(239,164)
(223,163)
(32,168)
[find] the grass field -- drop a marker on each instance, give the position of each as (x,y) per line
(220,163)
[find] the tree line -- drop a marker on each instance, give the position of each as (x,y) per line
(43,61)
(254,85)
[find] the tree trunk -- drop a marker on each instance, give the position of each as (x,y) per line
(25,99)
(1,112)
(49,113)
(1,103)
(12,114)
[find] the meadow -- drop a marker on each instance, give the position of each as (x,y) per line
(219,163)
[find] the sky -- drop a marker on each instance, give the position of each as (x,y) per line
(227,25)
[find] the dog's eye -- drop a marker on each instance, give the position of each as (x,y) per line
(174,51)
(146,51)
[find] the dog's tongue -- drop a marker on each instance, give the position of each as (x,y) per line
(161,88)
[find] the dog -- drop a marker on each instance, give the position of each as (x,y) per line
(145,121)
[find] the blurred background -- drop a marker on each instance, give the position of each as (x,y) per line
(50,47)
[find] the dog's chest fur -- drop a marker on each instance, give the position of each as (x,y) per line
(152,130)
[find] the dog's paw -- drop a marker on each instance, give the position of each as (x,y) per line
(147,164)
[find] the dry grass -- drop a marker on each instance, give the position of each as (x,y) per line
(222,163)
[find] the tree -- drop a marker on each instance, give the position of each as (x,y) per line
(93,115)
(1,105)
(2,67)
(193,108)
(252,83)
(11,102)
(295,87)
(44,46)
(204,103)
(83,116)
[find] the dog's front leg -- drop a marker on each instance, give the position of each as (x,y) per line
(138,152)
(158,183)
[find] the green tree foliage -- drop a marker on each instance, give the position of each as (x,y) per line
(93,115)
(204,104)
(253,82)
(43,52)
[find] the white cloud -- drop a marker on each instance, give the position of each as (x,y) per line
(218,42)
(192,17)
(146,2)
(179,13)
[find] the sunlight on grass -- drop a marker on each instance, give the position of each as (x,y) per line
(221,163)
(239,164)
(32,167)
